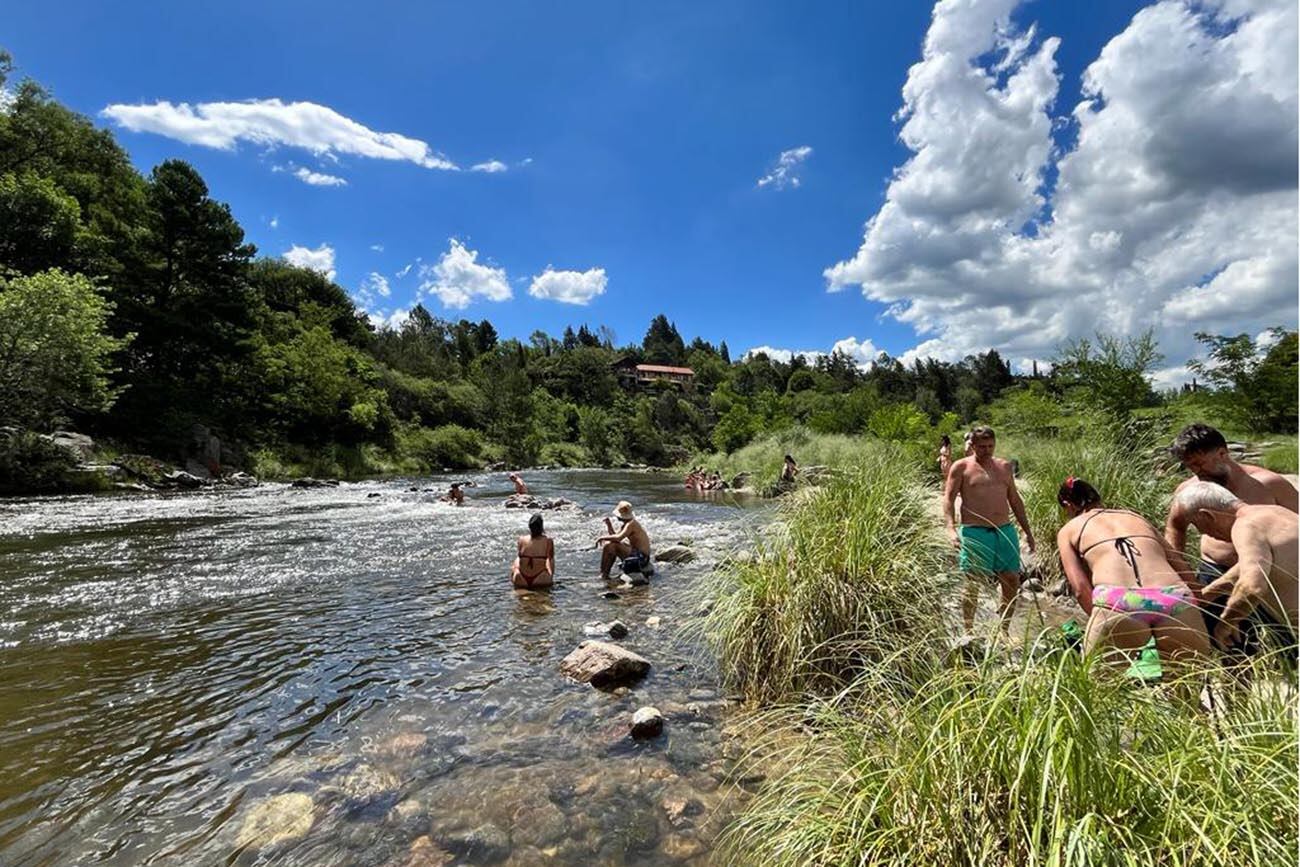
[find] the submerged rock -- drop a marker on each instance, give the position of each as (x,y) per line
(486,844)
(424,853)
(604,665)
(647,723)
(612,629)
(277,820)
(680,807)
(528,501)
(675,554)
(653,621)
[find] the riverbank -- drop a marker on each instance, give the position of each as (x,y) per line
(883,743)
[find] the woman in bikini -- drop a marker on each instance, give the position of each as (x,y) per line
(534,568)
(945,455)
(1118,566)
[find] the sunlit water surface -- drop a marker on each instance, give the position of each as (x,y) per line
(170,663)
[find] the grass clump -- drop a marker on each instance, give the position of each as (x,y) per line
(1050,763)
(850,570)
(763,457)
(1282,457)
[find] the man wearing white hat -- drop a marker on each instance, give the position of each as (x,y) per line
(631,544)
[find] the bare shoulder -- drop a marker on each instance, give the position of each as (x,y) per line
(1267,477)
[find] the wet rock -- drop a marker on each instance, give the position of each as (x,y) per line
(539,823)
(365,788)
(653,622)
(409,817)
(604,665)
(240,480)
(277,820)
(612,629)
(681,807)
(534,503)
(486,844)
(636,579)
(610,594)
(424,853)
(711,709)
(373,495)
(79,446)
(182,479)
(404,744)
(647,723)
(675,554)
(309,482)
(134,487)
(701,695)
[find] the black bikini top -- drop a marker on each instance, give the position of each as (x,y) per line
(1123,544)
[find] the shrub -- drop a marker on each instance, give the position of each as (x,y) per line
(31,464)
(564,455)
(447,446)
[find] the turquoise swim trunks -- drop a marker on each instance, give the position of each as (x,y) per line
(989,550)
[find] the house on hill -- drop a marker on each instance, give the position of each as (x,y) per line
(631,375)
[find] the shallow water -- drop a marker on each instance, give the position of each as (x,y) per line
(169,664)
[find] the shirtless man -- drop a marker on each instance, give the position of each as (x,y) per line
(1204,452)
(1264,541)
(520,487)
(455,495)
(630,544)
(987,540)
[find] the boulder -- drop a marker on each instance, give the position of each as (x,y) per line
(309,482)
(240,480)
(281,819)
(604,665)
(535,504)
(197,468)
(647,723)
(80,446)
(486,844)
(675,554)
(182,479)
(424,853)
(612,629)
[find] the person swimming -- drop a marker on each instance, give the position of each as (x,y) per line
(534,567)
(454,495)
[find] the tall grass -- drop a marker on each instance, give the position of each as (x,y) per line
(764,457)
(850,570)
(1053,764)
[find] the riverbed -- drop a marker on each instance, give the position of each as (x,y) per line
(344,676)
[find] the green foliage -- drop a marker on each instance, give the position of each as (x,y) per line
(450,446)
(597,437)
(55,356)
(31,464)
(1112,375)
(736,427)
(1050,762)
(564,455)
(851,569)
(1028,410)
(38,223)
(900,422)
(1282,457)
(1256,388)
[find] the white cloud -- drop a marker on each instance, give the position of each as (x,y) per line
(372,288)
(863,352)
(384,319)
(786,171)
(270,123)
(491,167)
(319,179)
(274,223)
(321,259)
(1174,209)
(569,287)
(377,248)
(405,270)
(458,278)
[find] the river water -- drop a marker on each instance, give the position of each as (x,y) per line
(183,678)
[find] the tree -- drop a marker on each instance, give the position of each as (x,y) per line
(1113,375)
(725,353)
(55,352)
(1260,386)
(662,343)
(38,223)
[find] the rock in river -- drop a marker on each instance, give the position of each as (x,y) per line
(647,723)
(604,665)
(675,554)
(309,482)
(486,844)
(277,820)
(612,629)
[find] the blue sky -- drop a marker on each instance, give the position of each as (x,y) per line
(634,137)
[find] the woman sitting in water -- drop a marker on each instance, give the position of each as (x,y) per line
(1118,566)
(534,568)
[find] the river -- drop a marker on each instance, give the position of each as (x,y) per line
(173,666)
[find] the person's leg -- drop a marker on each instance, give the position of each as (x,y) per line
(976,561)
(1184,648)
(1116,636)
(1009,585)
(970,601)
(611,552)
(515,578)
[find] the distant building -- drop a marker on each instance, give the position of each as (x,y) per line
(632,374)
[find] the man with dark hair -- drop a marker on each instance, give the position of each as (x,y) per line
(987,540)
(1203,451)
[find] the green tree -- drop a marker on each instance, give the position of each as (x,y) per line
(55,353)
(38,223)
(1258,386)
(1113,375)
(663,344)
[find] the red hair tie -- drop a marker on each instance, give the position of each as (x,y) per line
(1069,483)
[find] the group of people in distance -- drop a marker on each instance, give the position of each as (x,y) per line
(700,479)
(1132,580)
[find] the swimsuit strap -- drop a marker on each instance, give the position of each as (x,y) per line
(1123,544)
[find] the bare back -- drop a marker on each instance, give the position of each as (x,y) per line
(1269,535)
(1255,486)
(637,538)
(984,491)
(1122,549)
(534,551)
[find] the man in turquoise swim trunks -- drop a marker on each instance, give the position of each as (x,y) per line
(987,540)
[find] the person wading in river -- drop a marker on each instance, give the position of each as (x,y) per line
(631,544)
(534,567)
(520,487)
(987,540)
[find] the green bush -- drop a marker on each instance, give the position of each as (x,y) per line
(564,455)
(1051,763)
(851,570)
(31,464)
(450,446)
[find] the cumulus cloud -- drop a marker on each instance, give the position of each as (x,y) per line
(372,289)
(386,319)
(863,352)
(1174,209)
(569,287)
(321,259)
(271,123)
(458,278)
(319,179)
(491,167)
(785,173)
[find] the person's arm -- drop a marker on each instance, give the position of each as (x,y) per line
(617,537)
(1076,570)
(1252,588)
(1284,493)
(1018,509)
(550,558)
(1176,544)
(951,486)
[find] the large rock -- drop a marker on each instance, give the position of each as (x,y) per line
(240,480)
(277,820)
(675,554)
(486,844)
(182,479)
(309,482)
(80,446)
(604,665)
(534,504)
(647,723)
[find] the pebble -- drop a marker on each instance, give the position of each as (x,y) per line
(653,622)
